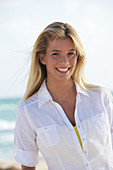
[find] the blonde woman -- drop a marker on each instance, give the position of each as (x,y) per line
(67,119)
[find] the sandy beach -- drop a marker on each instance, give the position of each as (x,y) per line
(13,165)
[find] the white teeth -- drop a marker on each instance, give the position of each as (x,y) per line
(62,69)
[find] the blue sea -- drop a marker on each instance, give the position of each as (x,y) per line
(8,112)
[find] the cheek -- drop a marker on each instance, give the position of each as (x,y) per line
(74,61)
(52,59)
(53,62)
(50,63)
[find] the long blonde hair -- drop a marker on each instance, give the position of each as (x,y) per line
(56,30)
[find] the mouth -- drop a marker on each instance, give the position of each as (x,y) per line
(63,70)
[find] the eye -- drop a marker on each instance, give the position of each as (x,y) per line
(71,54)
(55,54)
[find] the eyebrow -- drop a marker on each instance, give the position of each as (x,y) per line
(60,51)
(72,50)
(55,51)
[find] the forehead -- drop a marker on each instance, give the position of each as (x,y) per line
(61,45)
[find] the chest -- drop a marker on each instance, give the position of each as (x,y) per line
(69,110)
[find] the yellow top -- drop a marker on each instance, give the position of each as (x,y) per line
(77,133)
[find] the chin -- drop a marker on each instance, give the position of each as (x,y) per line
(61,78)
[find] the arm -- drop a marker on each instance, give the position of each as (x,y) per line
(27,168)
(25,140)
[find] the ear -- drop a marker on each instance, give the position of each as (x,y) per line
(42,59)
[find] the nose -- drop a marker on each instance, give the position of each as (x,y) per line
(64,59)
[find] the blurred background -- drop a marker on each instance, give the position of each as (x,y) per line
(21,21)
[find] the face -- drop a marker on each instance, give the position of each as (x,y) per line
(60,59)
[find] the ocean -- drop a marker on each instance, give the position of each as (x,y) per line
(8,111)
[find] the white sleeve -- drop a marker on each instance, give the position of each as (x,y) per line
(25,140)
(109,108)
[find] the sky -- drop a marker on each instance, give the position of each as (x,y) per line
(21,21)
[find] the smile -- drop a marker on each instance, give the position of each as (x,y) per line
(63,69)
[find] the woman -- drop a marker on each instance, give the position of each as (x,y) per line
(67,119)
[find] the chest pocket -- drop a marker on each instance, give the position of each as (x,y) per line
(47,136)
(100,123)
(97,126)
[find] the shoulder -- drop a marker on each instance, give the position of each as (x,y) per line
(30,101)
(27,110)
(42,91)
(27,106)
(100,92)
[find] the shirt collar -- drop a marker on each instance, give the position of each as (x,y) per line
(81,90)
(44,95)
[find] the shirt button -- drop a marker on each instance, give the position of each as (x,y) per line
(83,139)
(78,126)
(87,164)
(85,152)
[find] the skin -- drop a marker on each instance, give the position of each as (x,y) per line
(60,54)
(60,61)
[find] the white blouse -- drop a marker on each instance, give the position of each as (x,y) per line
(42,125)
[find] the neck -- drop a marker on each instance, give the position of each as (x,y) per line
(61,90)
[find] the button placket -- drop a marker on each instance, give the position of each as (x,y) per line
(83,152)
(81,132)
(84,143)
